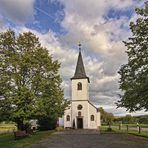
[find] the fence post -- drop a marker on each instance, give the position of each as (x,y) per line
(139,129)
(109,126)
(127,127)
(119,126)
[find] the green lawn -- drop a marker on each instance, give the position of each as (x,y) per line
(7,140)
(132,125)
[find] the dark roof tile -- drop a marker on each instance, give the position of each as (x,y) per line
(80,71)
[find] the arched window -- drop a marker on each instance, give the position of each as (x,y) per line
(92,118)
(67,118)
(79,86)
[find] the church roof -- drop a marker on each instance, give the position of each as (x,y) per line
(80,70)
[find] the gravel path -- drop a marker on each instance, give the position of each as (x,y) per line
(92,139)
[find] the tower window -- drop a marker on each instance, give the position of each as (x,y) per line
(92,118)
(79,86)
(67,118)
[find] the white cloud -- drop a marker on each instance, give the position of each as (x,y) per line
(103,37)
(2,24)
(85,22)
(17,10)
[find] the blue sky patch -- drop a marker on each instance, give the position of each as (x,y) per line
(117,14)
(48,15)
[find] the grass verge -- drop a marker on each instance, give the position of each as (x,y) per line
(7,140)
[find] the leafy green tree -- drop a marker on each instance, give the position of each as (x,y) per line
(109,118)
(143,119)
(134,74)
(46,123)
(102,112)
(106,117)
(128,119)
(30,84)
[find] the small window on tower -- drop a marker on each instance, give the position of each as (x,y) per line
(79,86)
(67,118)
(92,118)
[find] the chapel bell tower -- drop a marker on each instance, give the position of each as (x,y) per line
(80,82)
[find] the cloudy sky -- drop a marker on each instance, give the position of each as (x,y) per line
(100,26)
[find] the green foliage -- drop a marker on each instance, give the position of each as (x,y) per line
(132,120)
(128,119)
(47,123)
(60,129)
(106,117)
(109,129)
(30,84)
(134,74)
(143,120)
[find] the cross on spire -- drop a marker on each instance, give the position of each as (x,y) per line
(80,70)
(79,46)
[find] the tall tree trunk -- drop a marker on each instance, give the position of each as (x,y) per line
(20,124)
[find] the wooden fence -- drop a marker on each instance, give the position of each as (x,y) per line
(128,128)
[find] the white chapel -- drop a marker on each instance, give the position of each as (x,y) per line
(81,113)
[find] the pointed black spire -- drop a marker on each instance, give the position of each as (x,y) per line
(80,71)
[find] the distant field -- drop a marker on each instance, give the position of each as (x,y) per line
(6,128)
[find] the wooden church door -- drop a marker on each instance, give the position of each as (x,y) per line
(79,123)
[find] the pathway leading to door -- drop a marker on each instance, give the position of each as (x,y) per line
(92,139)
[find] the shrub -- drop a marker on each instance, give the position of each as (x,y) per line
(60,128)
(46,123)
(109,129)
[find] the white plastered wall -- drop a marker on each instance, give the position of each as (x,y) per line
(84,112)
(80,94)
(81,97)
(87,110)
(67,124)
(93,111)
(98,119)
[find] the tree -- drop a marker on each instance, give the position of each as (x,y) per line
(46,123)
(30,84)
(105,116)
(128,119)
(134,74)
(143,119)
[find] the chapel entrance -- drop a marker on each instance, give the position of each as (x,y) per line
(79,123)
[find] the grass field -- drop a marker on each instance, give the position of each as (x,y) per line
(116,130)
(7,140)
(6,128)
(133,125)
